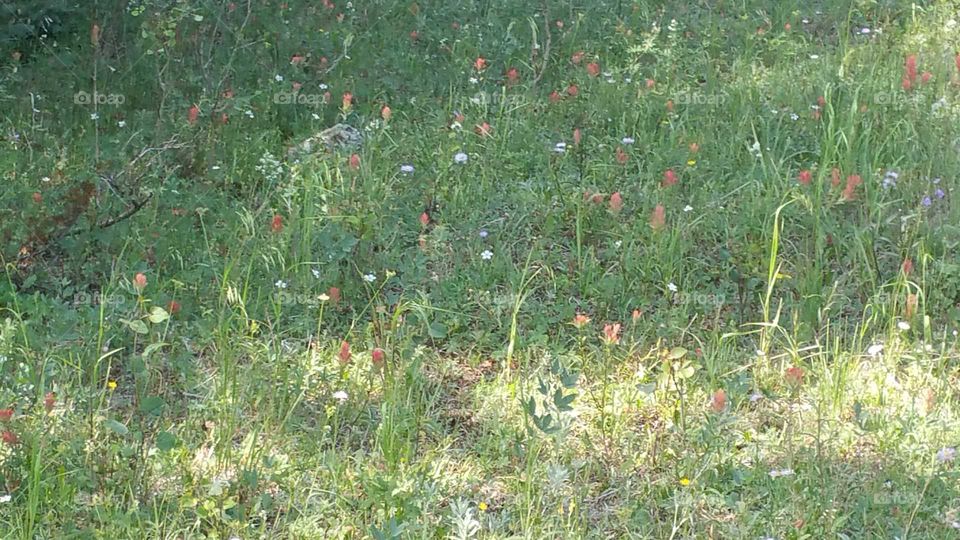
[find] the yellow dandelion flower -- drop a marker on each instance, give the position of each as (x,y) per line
(691,162)
(684,481)
(112,385)
(482,506)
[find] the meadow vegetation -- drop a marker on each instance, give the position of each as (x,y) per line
(605,269)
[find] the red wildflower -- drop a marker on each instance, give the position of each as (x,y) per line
(334,294)
(10,438)
(139,281)
(907,85)
(414,35)
(907,266)
(611,333)
(794,375)
(354,161)
(669,178)
(297,86)
(636,315)
(577,57)
(821,101)
(297,59)
(835,177)
(49,400)
(805,177)
(580,320)
(192,114)
(622,156)
(386,113)
(377,357)
(910,307)
(480,63)
(554,97)
(658,218)
(173,307)
(956,61)
(597,198)
(276,224)
(513,76)
(593,69)
(925,77)
(572,90)
(424,219)
(458,117)
(576,137)
(616,202)
(344,354)
(482,129)
(6,415)
(849,191)
(670,105)
(347,100)
(910,69)
(651,83)
(718,402)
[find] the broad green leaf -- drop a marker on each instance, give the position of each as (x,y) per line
(166,441)
(137,326)
(158,315)
(152,405)
(116,427)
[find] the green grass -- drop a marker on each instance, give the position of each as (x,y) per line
(337,348)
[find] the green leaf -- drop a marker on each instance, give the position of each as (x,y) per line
(158,315)
(152,348)
(116,427)
(152,405)
(677,353)
(437,330)
(137,326)
(166,441)
(27,283)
